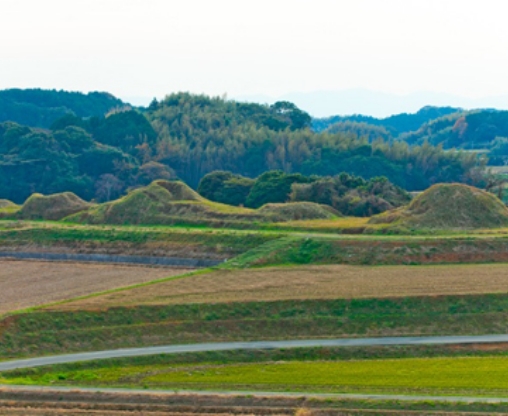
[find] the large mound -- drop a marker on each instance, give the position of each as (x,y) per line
(449,206)
(51,207)
(299,211)
(164,202)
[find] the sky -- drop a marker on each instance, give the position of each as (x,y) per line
(260,49)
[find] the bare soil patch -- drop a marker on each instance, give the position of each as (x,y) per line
(30,283)
(311,282)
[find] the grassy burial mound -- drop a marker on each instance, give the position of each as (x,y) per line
(295,211)
(164,202)
(51,207)
(446,206)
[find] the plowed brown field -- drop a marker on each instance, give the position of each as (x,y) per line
(29,283)
(312,282)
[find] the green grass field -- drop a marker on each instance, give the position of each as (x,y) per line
(482,376)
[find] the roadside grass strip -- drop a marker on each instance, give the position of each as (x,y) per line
(481,376)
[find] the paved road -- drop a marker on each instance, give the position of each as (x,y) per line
(447,399)
(264,345)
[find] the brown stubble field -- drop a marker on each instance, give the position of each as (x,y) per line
(310,282)
(25,284)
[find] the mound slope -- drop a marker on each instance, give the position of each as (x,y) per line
(449,206)
(52,207)
(292,211)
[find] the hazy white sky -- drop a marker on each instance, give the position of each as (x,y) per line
(272,47)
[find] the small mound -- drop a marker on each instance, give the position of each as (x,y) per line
(52,207)
(292,211)
(449,206)
(8,209)
(5,203)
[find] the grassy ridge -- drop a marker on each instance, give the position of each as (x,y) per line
(147,239)
(304,250)
(40,333)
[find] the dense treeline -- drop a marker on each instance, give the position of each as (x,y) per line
(362,130)
(198,135)
(40,108)
(348,194)
(189,136)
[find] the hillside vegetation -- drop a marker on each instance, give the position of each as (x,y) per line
(447,206)
(346,194)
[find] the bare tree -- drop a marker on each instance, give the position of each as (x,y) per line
(107,187)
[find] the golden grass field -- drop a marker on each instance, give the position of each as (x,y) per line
(25,284)
(310,282)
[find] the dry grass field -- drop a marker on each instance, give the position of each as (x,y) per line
(311,282)
(30,283)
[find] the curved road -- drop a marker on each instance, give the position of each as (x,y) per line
(257,345)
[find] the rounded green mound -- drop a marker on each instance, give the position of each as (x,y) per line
(446,206)
(5,203)
(292,211)
(52,207)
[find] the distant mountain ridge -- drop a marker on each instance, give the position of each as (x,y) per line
(321,104)
(395,125)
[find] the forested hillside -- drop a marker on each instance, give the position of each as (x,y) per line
(198,134)
(188,136)
(452,128)
(72,159)
(394,125)
(40,108)
(481,129)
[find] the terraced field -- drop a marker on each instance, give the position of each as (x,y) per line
(310,282)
